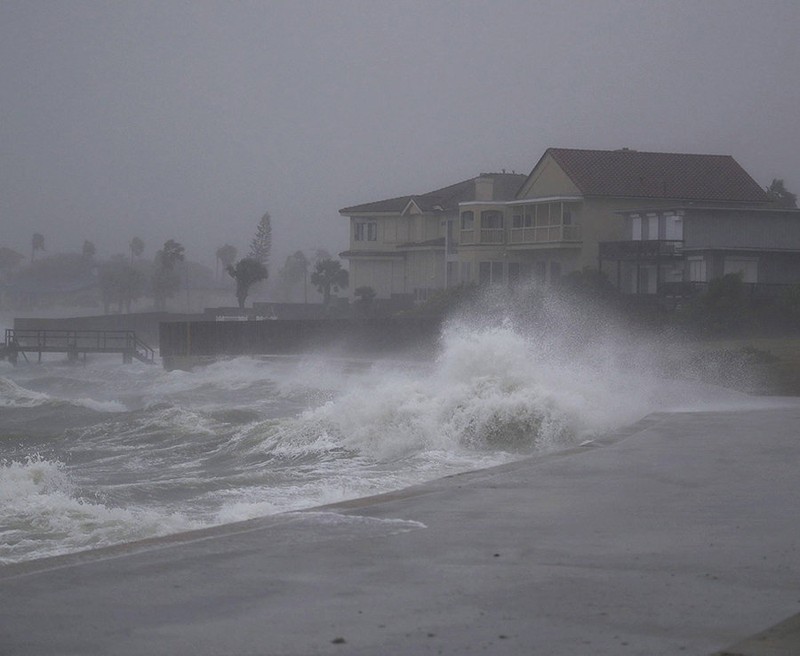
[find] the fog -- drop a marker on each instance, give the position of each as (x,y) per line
(189,120)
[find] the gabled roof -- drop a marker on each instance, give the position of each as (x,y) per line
(505,188)
(632,174)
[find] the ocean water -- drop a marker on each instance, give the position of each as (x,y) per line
(106,453)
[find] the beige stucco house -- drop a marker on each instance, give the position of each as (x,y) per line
(500,228)
(406,248)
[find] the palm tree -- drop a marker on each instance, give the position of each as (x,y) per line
(247,272)
(170,254)
(329,275)
(37,244)
(165,279)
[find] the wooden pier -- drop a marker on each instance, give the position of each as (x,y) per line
(75,343)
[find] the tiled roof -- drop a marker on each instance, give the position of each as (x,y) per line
(506,186)
(630,173)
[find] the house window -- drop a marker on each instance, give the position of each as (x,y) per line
(490,273)
(636,227)
(674,227)
(513,273)
(529,220)
(746,266)
(697,269)
(516,221)
(555,214)
(542,216)
(652,226)
(467,220)
(366,231)
(491,219)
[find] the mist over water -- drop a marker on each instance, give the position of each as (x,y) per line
(100,454)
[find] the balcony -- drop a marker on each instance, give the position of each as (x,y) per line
(648,250)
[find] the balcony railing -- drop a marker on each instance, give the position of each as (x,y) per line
(545,234)
(492,236)
(539,235)
(641,250)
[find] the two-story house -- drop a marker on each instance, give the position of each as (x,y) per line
(488,232)
(406,247)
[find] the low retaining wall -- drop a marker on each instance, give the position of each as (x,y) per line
(184,343)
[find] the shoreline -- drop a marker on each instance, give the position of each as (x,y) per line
(265,521)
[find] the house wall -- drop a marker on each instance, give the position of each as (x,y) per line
(384,275)
(424,272)
(756,230)
(780,268)
(548,180)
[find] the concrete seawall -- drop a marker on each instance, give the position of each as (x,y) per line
(184,343)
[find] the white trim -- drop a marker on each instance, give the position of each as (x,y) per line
(407,208)
(526,201)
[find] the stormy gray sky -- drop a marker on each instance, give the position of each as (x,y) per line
(189,119)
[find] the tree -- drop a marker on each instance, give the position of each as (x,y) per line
(37,244)
(88,251)
(722,309)
(170,255)
(262,242)
(165,279)
(247,272)
(781,196)
(119,283)
(137,248)
(294,272)
(329,275)
(226,255)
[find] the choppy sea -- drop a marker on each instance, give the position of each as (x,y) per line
(103,453)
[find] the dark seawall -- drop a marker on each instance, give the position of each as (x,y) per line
(184,343)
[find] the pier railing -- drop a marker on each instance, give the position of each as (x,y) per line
(77,342)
